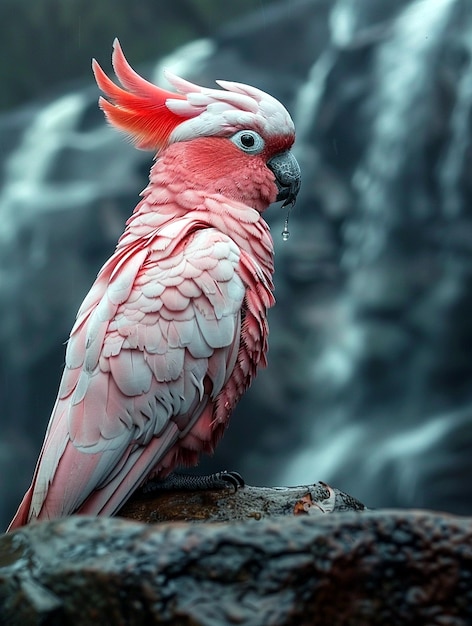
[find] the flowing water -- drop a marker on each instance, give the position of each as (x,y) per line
(369,379)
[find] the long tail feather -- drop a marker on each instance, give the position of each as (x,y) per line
(22,515)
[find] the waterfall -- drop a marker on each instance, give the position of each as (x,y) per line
(368,384)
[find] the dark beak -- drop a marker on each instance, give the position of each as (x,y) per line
(287,176)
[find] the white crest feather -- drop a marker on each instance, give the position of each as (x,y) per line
(223,111)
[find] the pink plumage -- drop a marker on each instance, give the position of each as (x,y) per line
(174,328)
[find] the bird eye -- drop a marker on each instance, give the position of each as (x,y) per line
(249,141)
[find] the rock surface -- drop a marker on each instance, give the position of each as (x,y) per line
(244,504)
(344,569)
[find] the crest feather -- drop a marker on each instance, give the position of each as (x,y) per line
(154,117)
(140,112)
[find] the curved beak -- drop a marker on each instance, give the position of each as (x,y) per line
(287,176)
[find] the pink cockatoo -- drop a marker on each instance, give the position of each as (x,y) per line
(174,328)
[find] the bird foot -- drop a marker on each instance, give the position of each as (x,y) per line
(194,482)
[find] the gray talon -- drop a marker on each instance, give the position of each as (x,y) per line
(191,482)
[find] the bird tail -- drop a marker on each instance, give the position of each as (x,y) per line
(22,515)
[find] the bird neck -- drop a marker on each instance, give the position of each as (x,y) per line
(169,206)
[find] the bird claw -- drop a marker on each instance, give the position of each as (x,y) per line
(191,482)
(233,479)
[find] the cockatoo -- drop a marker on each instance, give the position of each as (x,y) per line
(174,328)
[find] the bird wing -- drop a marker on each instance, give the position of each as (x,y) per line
(154,342)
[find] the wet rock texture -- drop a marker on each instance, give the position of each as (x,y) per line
(248,503)
(348,568)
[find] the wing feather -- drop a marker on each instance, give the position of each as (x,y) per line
(157,324)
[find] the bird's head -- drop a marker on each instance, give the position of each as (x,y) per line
(235,140)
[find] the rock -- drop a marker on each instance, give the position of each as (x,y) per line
(351,568)
(243,504)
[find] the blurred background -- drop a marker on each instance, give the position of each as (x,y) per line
(369,378)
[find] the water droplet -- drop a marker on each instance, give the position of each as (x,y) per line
(286,232)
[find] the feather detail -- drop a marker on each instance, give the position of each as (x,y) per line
(141,112)
(131,373)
